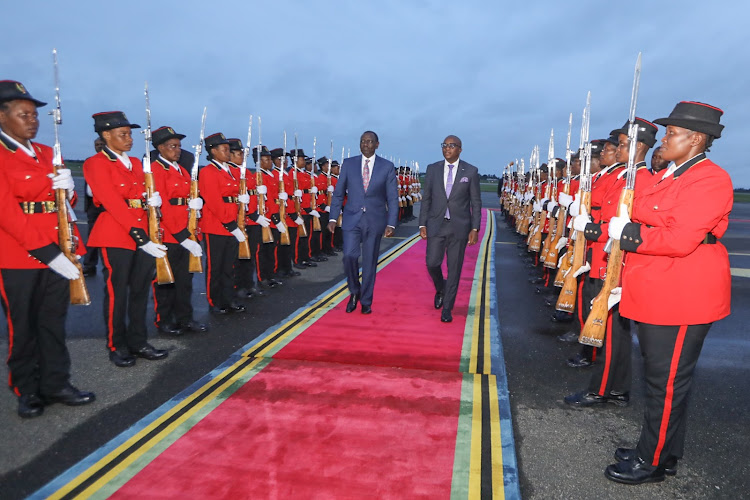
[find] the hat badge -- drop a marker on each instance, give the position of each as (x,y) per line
(222,137)
(21,88)
(170,130)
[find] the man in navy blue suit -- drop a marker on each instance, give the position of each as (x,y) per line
(369,184)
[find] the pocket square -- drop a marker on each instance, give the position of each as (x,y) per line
(464,179)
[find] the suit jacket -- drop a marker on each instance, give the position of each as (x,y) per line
(465,201)
(379,205)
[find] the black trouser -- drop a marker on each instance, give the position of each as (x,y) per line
(338,238)
(284,252)
(221,256)
(172,302)
(446,243)
(614,371)
(127,276)
(35,302)
(670,354)
(91,259)
(263,253)
(314,236)
(326,238)
(303,244)
(244,269)
(591,288)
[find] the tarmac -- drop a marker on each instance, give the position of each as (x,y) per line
(562,452)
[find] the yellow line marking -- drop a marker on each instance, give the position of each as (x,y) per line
(498,486)
(742,273)
(740,253)
(475,467)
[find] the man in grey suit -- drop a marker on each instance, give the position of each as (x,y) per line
(449,219)
(371,211)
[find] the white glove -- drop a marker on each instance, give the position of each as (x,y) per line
(298,193)
(63,180)
(544,200)
(565,199)
(263,221)
(328,209)
(315,213)
(575,208)
(154,249)
(195,203)
(551,205)
(537,207)
(400,198)
(239,234)
(192,247)
(155,200)
(283,196)
(560,260)
(408,196)
(580,221)
(519,196)
(314,190)
(614,297)
(561,243)
(281,227)
(63,266)
(330,189)
(617,224)
(299,221)
(262,189)
(243,198)
(528,196)
(583,269)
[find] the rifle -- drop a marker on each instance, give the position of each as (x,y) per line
(266,231)
(164,275)
(195,264)
(340,219)
(79,293)
(284,237)
(562,212)
(329,182)
(301,229)
(551,195)
(244,249)
(313,196)
(593,331)
(566,301)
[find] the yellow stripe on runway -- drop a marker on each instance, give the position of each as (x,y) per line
(475,467)
(498,486)
(741,272)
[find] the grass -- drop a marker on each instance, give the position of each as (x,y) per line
(488,188)
(741,197)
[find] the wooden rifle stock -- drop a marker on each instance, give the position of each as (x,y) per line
(266,231)
(79,293)
(314,202)
(195,264)
(559,229)
(596,323)
(284,237)
(301,229)
(164,275)
(566,301)
(244,250)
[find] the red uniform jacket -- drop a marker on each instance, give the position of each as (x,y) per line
(289,204)
(321,182)
(600,186)
(219,212)
(174,188)
(303,181)
(119,225)
(670,276)
(24,179)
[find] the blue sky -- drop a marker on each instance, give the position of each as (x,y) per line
(498,74)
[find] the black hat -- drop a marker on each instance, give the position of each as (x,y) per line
(308,160)
(544,168)
(277,153)
(297,152)
(612,139)
(695,116)
(558,162)
(235,144)
(214,140)
(335,163)
(597,145)
(576,155)
(322,161)
(163,134)
(10,90)
(108,120)
(646,131)
(263,152)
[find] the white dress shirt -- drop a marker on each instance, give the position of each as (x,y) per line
(369,165)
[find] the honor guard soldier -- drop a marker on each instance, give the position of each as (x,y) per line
(244,269)
(310,203)
(285,253)
(121,233)
(172,302)
(266,265)
(302,250)
(321,182)
(338,238)
(218,183)
(91,259)
(672,251)
(34,273)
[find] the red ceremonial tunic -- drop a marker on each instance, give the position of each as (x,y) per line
(174,188)
(671,277)
(321,182)
(219,191)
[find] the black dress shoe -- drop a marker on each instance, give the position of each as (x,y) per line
(570,336)
(276,282)
(618,398)
(536,281)
(257,292)
(237,308)
(331,253)
(318,258)
(30,406)
(169,329)
(352,304)
(194,326)
(309,263)
(438,300)
(446,316)
(366,309)
(121,358)
(635,471)
(70,396)
(300,266)
(561,317)
(579,361)
(150,352)
(267,284)
(630,454)
(292,274)
(585,399)
(218,310)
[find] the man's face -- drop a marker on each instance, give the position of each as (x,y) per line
(300,163)
(623,149)
(170,150)
(20,120)
(368,144)
(607,157)
(99,144)
(266,163)
(657,162)
(336,169)
(236,156)
(119,139)
(451,149)
(575,166)
(308,166)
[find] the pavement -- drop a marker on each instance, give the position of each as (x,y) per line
(561,452)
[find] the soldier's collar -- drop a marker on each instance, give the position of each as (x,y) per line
(109,154)
(13,145)
(691,162)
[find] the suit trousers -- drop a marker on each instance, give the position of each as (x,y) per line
(362,240)
(35,302)
(221,257)
(127,276)
(670,354)
(614,372)
(446,243)
(172,302)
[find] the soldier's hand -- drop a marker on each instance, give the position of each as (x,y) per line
(331,226)
(423,233)
(64,267)
(388,231)
(473,237)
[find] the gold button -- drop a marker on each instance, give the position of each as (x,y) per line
(656,207)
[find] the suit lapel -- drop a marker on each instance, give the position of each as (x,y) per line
(457,174)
